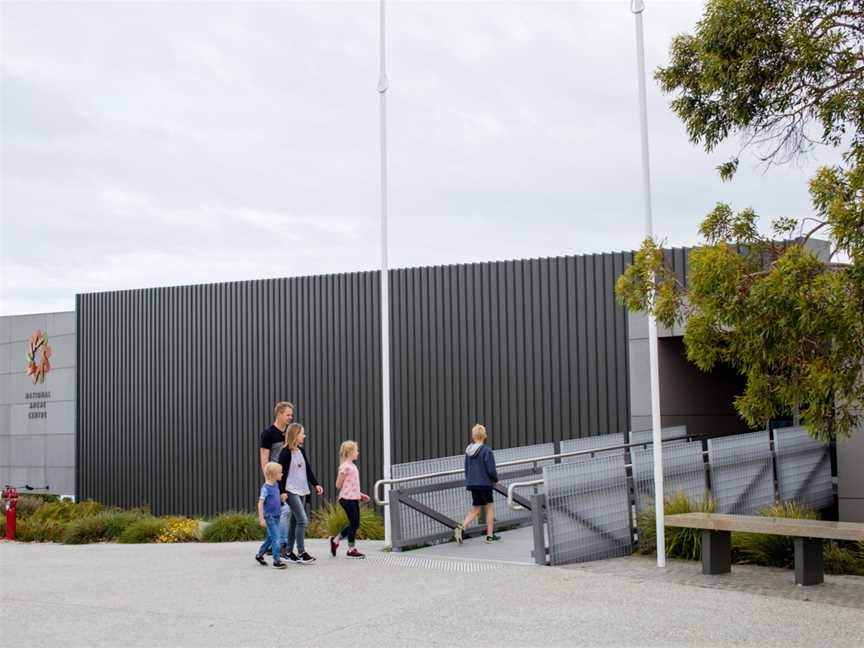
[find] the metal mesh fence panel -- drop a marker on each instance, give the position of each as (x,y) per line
(455,501)
(803,468)
(683,471)
(646,436)
(590,443)
(450,502)
(587,510)
(742,472)
(502,513)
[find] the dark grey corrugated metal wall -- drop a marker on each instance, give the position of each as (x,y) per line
(175,384)
(536,350)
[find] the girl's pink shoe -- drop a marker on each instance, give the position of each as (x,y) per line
(353,553)
(333,545)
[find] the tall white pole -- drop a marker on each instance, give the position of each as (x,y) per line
(637,7)
(385,288)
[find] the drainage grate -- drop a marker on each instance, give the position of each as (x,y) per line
(461,566)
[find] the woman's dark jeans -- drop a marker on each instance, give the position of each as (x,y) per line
(352,508)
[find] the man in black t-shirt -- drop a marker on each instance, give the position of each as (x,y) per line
(273,438)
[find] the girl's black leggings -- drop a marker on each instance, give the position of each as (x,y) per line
(352,508)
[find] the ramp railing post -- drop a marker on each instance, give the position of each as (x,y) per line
(538,518)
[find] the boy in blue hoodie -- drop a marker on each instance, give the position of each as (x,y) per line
(480,476)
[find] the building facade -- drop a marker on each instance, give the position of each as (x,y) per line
(37,402)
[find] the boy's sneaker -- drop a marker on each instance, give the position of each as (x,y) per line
(305,558)
(279,565)
(292,558)
(457,534)
(353,553)
(333,546)
(492,538)
(260,559)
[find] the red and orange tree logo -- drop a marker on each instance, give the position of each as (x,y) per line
(38,367)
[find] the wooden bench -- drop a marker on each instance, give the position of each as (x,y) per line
(807,534)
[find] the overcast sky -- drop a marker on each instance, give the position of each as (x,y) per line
(150,144)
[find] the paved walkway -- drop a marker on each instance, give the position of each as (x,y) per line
(216,595)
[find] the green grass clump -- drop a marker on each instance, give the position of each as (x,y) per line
(768,549)
(64,512)
(331,518)
(680,542)
(147,529)
(30,529)
(233,527)
(27,505)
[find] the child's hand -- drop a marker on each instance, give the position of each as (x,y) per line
(284,497)
(319,490)
(364,497)
(261,522)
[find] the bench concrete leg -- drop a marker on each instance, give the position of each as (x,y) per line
(716,552)
(808,561)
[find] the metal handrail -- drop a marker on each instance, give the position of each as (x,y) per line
(513,506)
(515,462)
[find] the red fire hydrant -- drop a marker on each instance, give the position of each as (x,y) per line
(10,500)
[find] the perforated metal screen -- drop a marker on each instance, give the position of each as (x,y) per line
(803,468)
(742,474)
(588,510)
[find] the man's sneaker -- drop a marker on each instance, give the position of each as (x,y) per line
(457,534)
(305,558)
(333,546)
(279,565)
(492,538)
(260,559)
(284,551)
(292,558)
(353,553)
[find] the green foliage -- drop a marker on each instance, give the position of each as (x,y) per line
(27,505)
(62,512)
(768,549)
(32,529)
(118,521)
(843,558)
(2,526)
(233,527)
(147,529)
(87,529)
(680,542)
(768,70)
(330,519)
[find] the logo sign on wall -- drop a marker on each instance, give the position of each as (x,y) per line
(38,357)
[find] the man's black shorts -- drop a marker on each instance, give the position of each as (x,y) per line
(481,496)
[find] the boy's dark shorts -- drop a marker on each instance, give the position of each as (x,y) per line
(481,496)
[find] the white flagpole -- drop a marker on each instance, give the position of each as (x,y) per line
(385,288)
(637,7)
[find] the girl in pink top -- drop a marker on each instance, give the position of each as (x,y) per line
(348,483)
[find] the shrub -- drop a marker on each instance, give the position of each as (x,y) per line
(66,511)
(330,519)
(31,529)
(87,529)
(147,529)
(843,558)
(2,526)
(767,549)
(233,527)
(680,542)
(118,521)
(178,529)
(27,505)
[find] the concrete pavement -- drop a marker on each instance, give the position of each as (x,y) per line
(216,595)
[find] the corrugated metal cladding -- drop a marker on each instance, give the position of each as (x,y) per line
(176,384)
(536,350)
